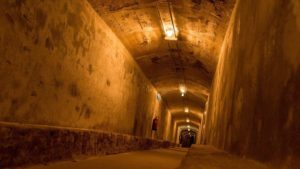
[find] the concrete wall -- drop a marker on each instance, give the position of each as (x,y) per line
(167,126)
(62,66)
(254,108)
(32,144)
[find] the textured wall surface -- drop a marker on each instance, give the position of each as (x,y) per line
(33,144)
(61,65)
(254,109)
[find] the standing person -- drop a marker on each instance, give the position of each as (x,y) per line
(154,127)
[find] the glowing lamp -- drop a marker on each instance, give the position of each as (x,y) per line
(186,110)
(169,33)
(182,89)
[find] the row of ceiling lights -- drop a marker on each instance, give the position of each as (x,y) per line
(171,33)
(183,90)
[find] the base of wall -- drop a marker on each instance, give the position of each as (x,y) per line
(22,144)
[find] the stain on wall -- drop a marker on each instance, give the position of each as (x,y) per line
(255,103)
(61,65)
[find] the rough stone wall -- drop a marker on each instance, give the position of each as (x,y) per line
(32,144)
(167,126)
(173,131)
(61,65)
(254,108)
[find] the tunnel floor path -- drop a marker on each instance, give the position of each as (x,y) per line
(207,157)
(150,159)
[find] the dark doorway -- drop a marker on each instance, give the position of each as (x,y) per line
(187,138)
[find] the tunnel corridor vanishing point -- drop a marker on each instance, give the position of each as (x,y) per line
(183,83)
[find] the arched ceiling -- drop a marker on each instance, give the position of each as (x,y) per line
(184,116)
(184,123)
(181,128)
(178,105)
(171,85)
(190,60)
(173,98)
(179,109)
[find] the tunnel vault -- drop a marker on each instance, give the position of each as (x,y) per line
(88,77)
(190,60)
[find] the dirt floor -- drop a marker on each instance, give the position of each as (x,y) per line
(152,159)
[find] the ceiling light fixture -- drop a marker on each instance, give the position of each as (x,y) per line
(169,33)
(165,12)
(186,110)
(187,120)
(182,89)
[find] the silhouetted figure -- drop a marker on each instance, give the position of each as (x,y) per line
(154,126)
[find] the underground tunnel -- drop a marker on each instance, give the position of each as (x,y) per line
(164,84)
